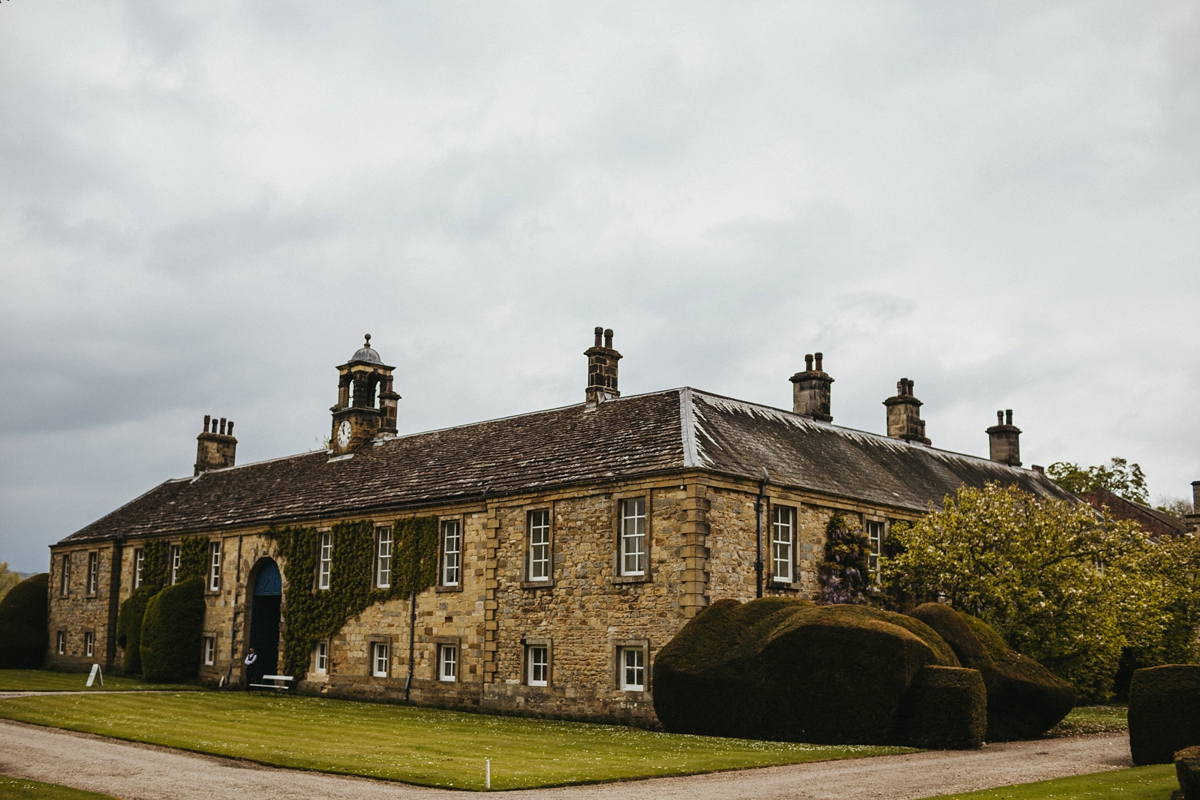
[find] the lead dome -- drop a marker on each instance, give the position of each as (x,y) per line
(367,353)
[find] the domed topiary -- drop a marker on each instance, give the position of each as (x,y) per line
(23,633)
(790,670)
(172,631)
(1024,699)
(1164,712)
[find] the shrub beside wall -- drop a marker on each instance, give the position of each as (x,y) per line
(23,620)
(172,630)
(1164,712)
(945,709)
(129,628)
(1024,699)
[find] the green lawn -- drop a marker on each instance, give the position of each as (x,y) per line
(24,789)
(38,680)
(1093,719)
(416,745)
(1140,783)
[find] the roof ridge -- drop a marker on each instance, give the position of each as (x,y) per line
(687,426)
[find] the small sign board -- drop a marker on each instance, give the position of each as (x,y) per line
(95,674)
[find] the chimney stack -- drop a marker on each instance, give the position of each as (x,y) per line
(602,369)
(1196,497)
(810,390)
(1004,440)
(904,414)
(215,450)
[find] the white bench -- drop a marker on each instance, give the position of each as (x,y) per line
(280,683)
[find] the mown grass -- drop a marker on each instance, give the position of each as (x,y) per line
(431,747)
(1093,719)
(38,680)
(1139,783)
(25,789)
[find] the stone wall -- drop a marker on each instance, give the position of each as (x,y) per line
(80,612)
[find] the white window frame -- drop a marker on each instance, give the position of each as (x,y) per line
(321,659)
(60,643)
(139,558)
(64,577)
(447,663)
(379,659)
(89,644)
(324,559)
(451,552)
(383,557)
(537,664)
(876,532)
(214,566)
(210,650)
(633,556)
(783,544)
(631,666)
(93,573)
(538,537)
(176,557)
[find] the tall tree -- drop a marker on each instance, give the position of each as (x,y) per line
(8,579)
(1119,477)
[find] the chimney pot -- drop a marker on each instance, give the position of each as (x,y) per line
(214,425)
(231,427)
(808,359)
(599,333)
(206,420)
(818,357)
(999,417)
(1008,417)
(1196,497)
(222,426)
(608,334)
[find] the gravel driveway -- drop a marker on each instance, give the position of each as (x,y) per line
(145,772)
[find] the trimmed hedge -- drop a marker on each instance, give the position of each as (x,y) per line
(945,709)
(1164,712)
(1187,769)
(789,670)
(172,630)
(23,615)
(1024,699)
(129,628)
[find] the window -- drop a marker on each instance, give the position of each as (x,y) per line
(537,665)
(633,537)
(64,575)
(783,538)
(321,662)
(93,573)
(383,558)
(139,557)
(325,569)
(61,643)
(633,668)
(875,534)
(210,650)
(214,567)
(175,555)
(451,552)
(539,545)
(379,659)
(89,644)
(447,662)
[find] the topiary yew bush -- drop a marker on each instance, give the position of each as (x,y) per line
(172,630)
(790,670)
(129,628)
(946,708)
(1187,769)
(23,633)
(1024,699)
(1164,712)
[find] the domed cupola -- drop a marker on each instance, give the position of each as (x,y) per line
(357,417)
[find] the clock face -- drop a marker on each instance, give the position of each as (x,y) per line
(343,433)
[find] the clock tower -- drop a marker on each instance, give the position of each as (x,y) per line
(357,417)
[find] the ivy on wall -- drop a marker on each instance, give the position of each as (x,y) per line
(155,557)
(193,557)
(311,615)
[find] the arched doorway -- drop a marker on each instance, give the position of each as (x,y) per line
(264,616)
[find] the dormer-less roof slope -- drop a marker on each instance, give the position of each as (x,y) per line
(630,436)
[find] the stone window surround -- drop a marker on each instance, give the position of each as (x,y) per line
(316,668)
(618,666)
(372,642)
(450,641)
(139,556)
(321,533)
(883,534)
(208,573)
(60,643)
(647,575)
(458,587)
(527,511)
(375,557)
(64,575)
(769,555)
(205,638)
(84,650)
(174,562)
(528,642)
(91,580)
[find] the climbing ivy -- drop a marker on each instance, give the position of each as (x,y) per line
(311,615)
(155,564)
(193,557)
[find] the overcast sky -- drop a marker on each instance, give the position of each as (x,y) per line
(205,205)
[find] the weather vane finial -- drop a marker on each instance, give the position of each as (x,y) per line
(368,344)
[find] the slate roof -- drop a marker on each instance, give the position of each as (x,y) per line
(630,436)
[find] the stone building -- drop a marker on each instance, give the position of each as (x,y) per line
(573,543)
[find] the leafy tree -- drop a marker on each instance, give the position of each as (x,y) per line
(1063,584)
(1119,477)
(845,574)
(8,579)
